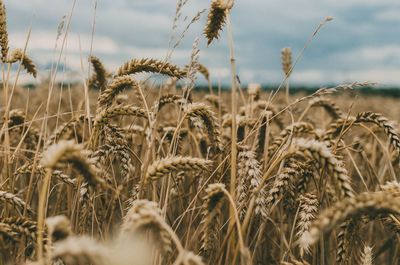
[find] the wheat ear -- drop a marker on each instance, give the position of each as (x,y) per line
(3,32)
(145,216)
(58,228)
(286,59)
(320,152)
(26,62)
(127,110)
(12,199)
(249,175)
(292,129)
(160,168)
(135,66)
(344,124)
(366,256)
(20,226)
(81,250)
(308,210)
(99,77)
(167,99)
(329,105)
(211,209)
(118,84)
(217,103)
(203,112)
(69,152)
(370,203)
(216,19)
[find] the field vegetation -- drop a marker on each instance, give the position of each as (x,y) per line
(118,170)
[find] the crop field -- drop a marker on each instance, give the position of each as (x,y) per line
(121,170)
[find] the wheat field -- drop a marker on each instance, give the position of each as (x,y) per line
(122,171)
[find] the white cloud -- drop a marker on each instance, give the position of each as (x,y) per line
(379,53)
(76,43)
(383,76)
(347,3)
(312,76)
(359,44)
(389,15)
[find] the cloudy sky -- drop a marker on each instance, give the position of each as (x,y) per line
(362,43)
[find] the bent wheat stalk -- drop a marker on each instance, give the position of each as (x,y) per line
(135,66)
(370,203)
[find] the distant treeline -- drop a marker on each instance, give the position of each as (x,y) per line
(373,91)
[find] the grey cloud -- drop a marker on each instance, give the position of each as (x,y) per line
(261,29)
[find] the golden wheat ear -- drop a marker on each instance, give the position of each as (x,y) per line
(368,203)
(65,152)
(149,65)
(99,77)
(286,61)
(3,32)
(19,55)
(216,19)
